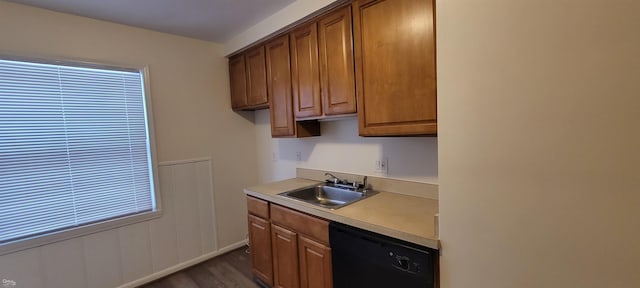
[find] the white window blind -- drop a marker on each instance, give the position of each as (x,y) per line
(74,147)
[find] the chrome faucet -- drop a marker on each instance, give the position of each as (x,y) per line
(333,179)
(355,186)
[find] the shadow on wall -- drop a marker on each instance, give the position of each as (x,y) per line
(247,115)
(341,149)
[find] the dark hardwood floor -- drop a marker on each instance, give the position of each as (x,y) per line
(229,270)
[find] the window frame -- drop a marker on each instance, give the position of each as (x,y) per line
(107,224)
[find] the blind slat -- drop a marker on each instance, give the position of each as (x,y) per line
(73,147)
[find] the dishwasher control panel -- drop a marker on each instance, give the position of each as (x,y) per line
(404,263)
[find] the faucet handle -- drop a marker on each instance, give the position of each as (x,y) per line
(333,179)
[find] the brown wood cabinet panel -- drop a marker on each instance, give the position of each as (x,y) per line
(238,82)
(290,249)
(305,74)
(336,63)
(258,207)
(279,87)
(300,222)
(315,264)
(256,78)
(395,67)
(285,257)
(260,243)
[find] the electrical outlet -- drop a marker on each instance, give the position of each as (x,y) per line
(274,156)
(298,156)
(382,165)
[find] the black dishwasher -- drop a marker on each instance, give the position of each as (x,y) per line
(362,258)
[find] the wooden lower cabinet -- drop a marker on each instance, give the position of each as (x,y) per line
(299,261)
(260,243)
(301,252)
(289,249)
(315,264)
(284,246)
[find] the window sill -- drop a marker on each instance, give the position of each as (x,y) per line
(41,240)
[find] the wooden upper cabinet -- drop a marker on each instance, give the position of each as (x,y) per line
(238,82)
(375,58)
(256,78)
(305,74)
(336,63)
(322,66)
(283,123)
(395,67)
(248,80)
(279,87)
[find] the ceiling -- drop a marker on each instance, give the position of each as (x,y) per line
(211,20)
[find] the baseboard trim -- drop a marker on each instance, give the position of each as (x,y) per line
(180,266)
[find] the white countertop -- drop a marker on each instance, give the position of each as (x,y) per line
(405,217)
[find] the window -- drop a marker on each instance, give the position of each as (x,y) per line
(75,151)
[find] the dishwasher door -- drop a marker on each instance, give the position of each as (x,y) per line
(365,259)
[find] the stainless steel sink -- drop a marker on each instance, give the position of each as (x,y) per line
(327,195)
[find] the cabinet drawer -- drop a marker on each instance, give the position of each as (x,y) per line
(258,207)
(311,226)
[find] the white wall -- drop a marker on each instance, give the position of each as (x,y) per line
(341,149)
(292,13)
(191,107)
(539,120)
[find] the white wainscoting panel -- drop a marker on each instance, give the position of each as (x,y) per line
(22,267)
(135,251)
(164,243)
(63,264)
(186,211)
(204,186)
(129,256)
(102,259)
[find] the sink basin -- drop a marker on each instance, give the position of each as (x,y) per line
(327,196)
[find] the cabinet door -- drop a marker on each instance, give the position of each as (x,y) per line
(238,82)
(260,243)
(315,264)
(256,78)
(395,67)
(285,257)
(279,87)
(305,74)
(336,63)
